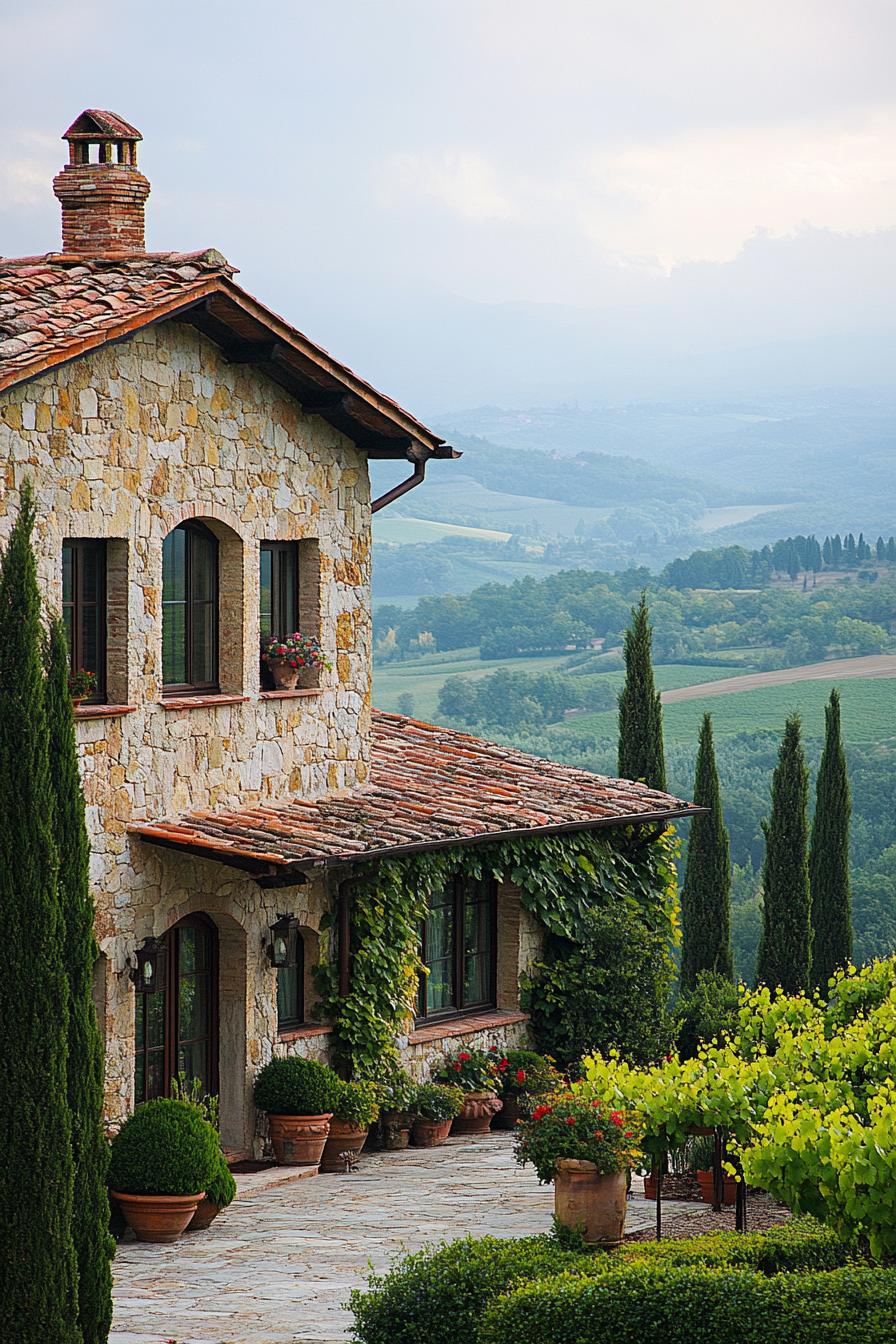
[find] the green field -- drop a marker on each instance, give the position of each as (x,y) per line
(422,678)
(400,531)
(869,711)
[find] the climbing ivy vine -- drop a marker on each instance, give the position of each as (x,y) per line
(562,879)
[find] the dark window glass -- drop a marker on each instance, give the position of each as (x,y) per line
(279,588)
(190,609)
(84,608)
(176,1027)
(291,983)
(458,949)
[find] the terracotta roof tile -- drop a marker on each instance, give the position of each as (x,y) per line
(428,786)
(63,305)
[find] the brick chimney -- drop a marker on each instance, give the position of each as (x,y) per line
(100,190)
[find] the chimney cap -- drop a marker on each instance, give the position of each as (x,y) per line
(94,124)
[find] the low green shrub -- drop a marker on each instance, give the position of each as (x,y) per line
(438,1101)
(164,1148)
(358,1104)
(221,1189)
(801,1244)
(297,1086)
(705,1013)
(696,1304)
(397,1089)
(439,1294)
(525,1073)
(473,1070)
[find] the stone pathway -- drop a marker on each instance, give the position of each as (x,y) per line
(278,1266)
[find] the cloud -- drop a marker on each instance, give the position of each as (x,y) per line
(28,162)
(668,201)
(465,183)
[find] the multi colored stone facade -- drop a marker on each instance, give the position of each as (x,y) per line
(124,444)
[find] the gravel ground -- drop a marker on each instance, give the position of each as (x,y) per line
(693,1219)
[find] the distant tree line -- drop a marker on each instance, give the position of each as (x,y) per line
(504,698)
(737,567)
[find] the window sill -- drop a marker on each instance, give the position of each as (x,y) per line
(289,695)
(464,1026)
(103,711)
(306,1029)
(201,701)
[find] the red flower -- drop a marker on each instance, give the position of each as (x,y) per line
(616,1117)
(629,1134)
(570,1119)
(464,1056)
(596,1105)
(456,1067)
(493,1049)
(520,1075)
(540,1112)
(598,1133)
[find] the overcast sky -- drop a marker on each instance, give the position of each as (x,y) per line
(498,200)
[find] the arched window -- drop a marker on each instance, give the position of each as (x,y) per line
(190,609)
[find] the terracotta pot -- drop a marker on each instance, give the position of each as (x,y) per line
(429,1133)
(158,1217)
(342,1138)
(510,1114)
(205,1215)
(298,1140)
(395,1129)
(707,1188)
(592,1203)
(477,1112)
(283,676)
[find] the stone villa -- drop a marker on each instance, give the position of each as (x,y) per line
(201,472)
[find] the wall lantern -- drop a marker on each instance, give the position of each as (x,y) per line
(145,974)
(278,947)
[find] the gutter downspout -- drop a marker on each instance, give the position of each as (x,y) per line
(415,479)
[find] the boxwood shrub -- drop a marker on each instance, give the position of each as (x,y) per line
(297,1086)
(221,1189)
(164,1148)
(439,1294)
(650,1304)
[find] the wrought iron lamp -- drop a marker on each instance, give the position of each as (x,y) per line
(145,974)
(278,947)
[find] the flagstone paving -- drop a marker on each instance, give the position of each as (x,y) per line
(278,1266)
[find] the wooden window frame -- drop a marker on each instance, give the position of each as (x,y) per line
(460,1008)
(77,546)
(195,527)
(170,988)
(284,555)
(296,955)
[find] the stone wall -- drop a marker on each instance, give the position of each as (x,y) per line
(124,444)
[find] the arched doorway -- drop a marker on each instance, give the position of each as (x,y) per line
(177,1024)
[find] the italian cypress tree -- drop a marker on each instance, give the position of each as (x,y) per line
(785,942)
(829,855)
(641,753)
(38,1284)
(94,1246)
(706,893)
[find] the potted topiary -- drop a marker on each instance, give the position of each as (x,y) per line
(397,1093)
(703,1159)
(587,1150)
(293,660)
(356,1109)
(220,1191)
(300,1097)
(475,1071)
(163,1160)
(436,1105)
(523,1076)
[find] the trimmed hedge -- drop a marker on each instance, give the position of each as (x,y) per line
(297,1086)
(647,1304)
(802,1244)
(221,1189)
(164,1148)
(439,1295)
